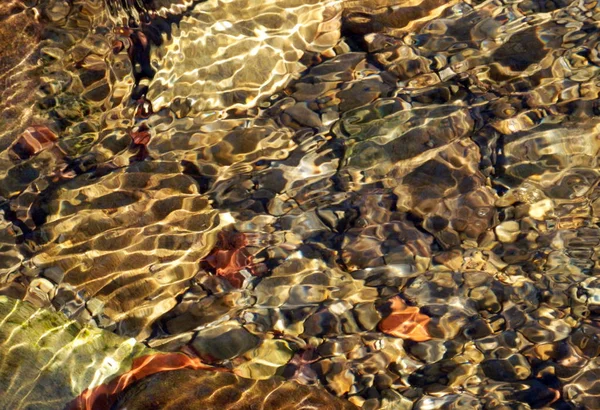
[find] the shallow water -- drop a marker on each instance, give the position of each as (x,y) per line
(394,202)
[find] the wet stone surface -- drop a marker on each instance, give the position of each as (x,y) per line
(392,202)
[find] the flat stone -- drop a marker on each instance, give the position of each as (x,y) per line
(224,342)
(194,389)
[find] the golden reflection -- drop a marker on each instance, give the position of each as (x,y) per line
(392,201)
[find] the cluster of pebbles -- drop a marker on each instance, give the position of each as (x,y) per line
(393,201)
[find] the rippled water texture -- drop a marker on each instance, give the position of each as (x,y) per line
(296,204)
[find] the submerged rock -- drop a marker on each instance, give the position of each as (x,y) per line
(188,389)
(148,220)
(231,53)
(49,362)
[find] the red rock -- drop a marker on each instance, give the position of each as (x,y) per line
(103,396)
(34,140)
(230,256)
(405,322)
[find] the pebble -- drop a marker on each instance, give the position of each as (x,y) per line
(227,341)
(508,231)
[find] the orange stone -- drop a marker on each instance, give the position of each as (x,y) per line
(405,322)
(34,140)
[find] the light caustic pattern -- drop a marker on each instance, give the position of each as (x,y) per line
(227,54)
(392,201)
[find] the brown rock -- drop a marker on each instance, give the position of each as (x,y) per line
(189,389)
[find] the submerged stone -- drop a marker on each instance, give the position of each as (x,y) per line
(188,389)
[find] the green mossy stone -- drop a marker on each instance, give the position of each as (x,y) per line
(47,360)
